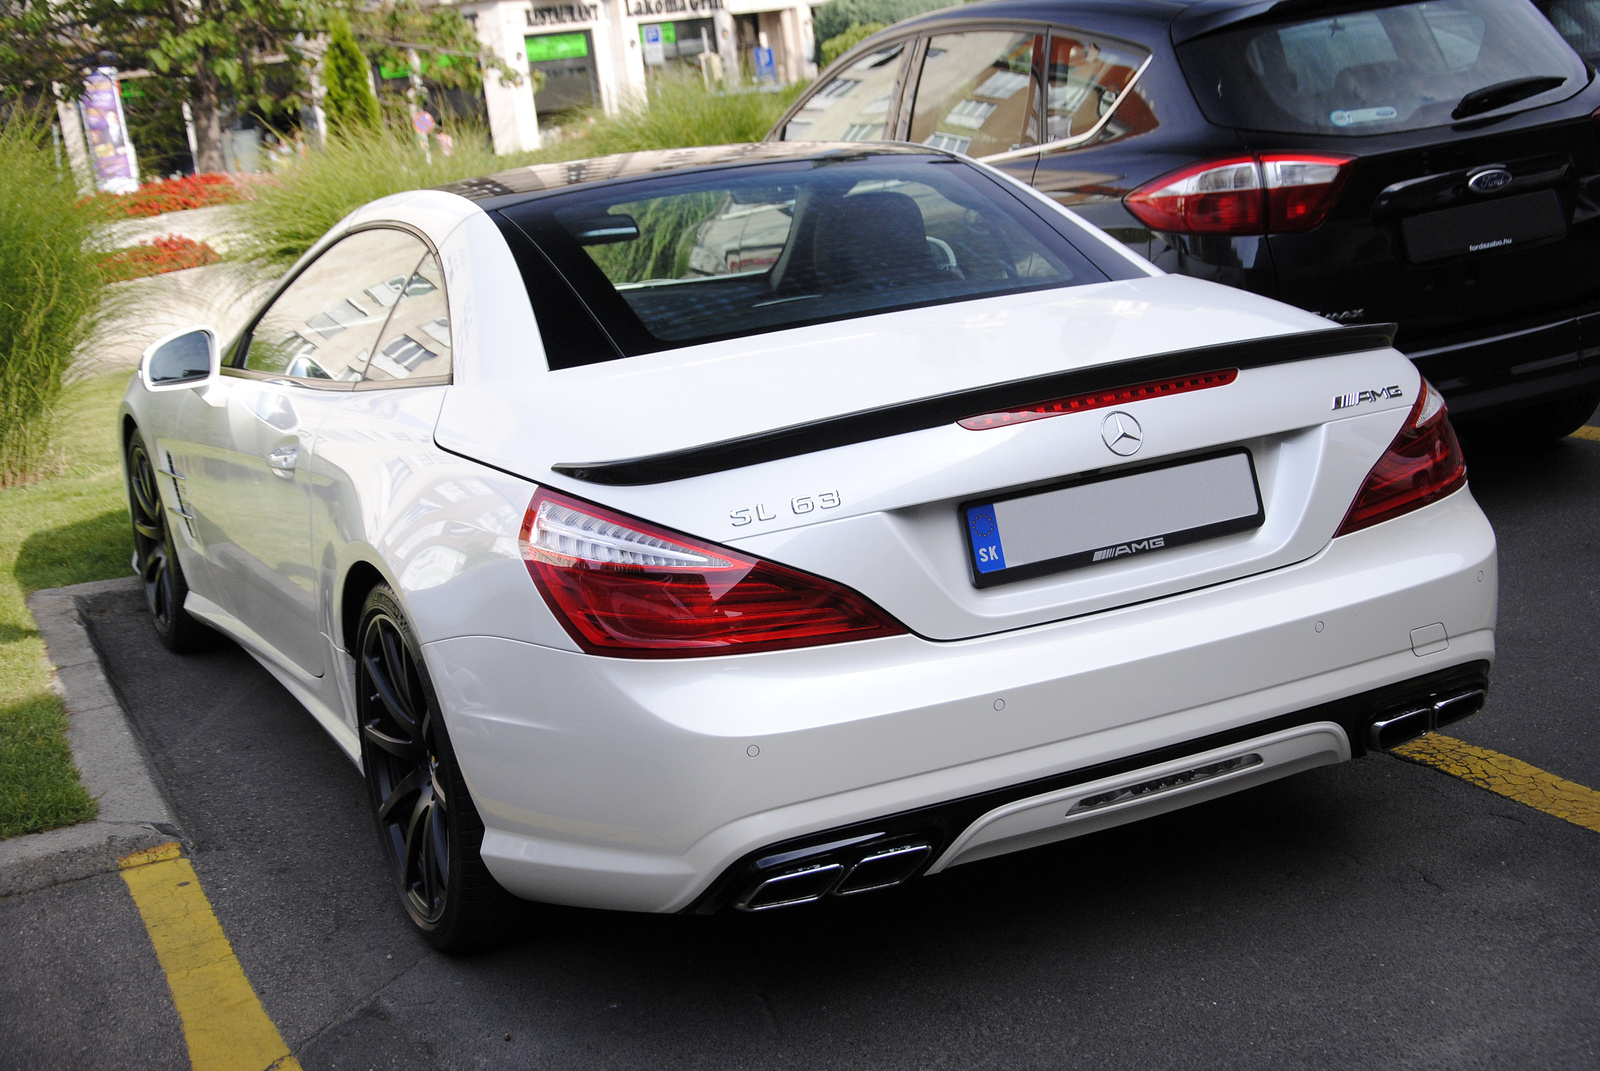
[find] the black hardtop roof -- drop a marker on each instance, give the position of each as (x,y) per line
(1187,18)
(519,184)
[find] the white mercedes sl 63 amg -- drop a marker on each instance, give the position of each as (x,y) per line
(739,527)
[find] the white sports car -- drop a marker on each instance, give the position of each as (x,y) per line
(739,527)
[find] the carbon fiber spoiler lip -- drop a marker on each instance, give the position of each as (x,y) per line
(864,425)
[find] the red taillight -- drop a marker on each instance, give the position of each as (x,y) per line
(1422,465)
(1077,403)
(623,587)
(1275,193)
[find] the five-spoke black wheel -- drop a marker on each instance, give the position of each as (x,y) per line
(429,830)
(155,556)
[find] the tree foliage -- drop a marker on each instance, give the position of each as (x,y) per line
(837,16)
(834,47)
(350,103)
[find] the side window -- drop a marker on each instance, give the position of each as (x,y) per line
(854,106)
(324,325)
(977,93)
(416,344)
(1087,79)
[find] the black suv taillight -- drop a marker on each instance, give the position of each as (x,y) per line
(1274,193)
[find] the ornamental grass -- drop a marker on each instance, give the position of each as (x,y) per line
(50,291)
(312,193)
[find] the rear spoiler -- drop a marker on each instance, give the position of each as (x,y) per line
(924,413)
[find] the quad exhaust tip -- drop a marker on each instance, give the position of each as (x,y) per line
(812,881)
(1397,727)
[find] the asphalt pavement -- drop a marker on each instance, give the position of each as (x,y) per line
(1376,914)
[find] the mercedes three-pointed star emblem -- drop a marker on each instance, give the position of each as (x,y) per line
(1122,433)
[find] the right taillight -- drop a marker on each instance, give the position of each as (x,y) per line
(1274,193)
(1423,464)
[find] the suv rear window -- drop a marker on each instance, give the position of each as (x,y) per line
(680,259)
(1387,68)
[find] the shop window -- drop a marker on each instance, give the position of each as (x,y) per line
(977,94)
(567,61)
(853,105)
(669,44)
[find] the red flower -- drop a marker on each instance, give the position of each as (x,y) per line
(170,195)
(171,253)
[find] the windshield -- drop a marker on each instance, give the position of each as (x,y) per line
(1404,67)
(681,259)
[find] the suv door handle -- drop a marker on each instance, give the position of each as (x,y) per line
(283,458)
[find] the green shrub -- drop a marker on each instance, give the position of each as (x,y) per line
(50,291)
(350,103)
(834,47)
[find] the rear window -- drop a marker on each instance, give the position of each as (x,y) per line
(1402,67)
(1579,22)
(676,260)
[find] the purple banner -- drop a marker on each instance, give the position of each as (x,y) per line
(107,132)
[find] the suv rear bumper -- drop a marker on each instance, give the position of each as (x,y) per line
(1514,368)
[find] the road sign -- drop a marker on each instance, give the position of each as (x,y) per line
(766,70)
(422,123)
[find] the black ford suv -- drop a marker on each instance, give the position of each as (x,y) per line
(1435,164)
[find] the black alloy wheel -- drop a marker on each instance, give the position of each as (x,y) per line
(156,558)
(428,829)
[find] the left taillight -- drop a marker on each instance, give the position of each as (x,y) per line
(1423,464)
(1274,193)
(626,588)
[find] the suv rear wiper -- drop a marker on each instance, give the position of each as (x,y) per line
(1500,94)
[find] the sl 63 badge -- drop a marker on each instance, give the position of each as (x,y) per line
(800,505)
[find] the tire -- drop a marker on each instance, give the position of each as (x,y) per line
(156,557)
(1542,422)
(428,830)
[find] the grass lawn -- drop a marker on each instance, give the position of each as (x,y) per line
(67,529)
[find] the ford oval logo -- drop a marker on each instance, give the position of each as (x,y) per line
(1489,180)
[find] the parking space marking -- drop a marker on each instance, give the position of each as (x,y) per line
(1509,777)
(224,1023)
(1588,431)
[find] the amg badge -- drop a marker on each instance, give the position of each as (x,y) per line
(1360,397)
(1137,547)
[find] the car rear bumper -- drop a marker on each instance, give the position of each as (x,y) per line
(648,785)
(1513,368)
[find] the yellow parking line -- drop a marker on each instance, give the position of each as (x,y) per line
(1511,778)
(224,1023)
(1588,431)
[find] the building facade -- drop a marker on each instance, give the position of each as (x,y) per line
(606,52)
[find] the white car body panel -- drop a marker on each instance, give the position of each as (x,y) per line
(634,784)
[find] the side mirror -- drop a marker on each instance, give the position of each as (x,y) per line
(183,359)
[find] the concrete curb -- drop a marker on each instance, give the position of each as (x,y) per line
(134,813)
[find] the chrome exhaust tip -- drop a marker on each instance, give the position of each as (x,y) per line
(1403,726)
(840,877)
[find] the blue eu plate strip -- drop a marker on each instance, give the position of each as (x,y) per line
(984,532)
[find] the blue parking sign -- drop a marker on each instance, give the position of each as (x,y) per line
(766,70)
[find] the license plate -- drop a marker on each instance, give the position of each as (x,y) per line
(1107,518)
(1484,228)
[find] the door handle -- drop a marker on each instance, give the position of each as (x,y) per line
(283,458)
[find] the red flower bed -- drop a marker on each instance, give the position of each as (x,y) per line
(169,195)
(172,253)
